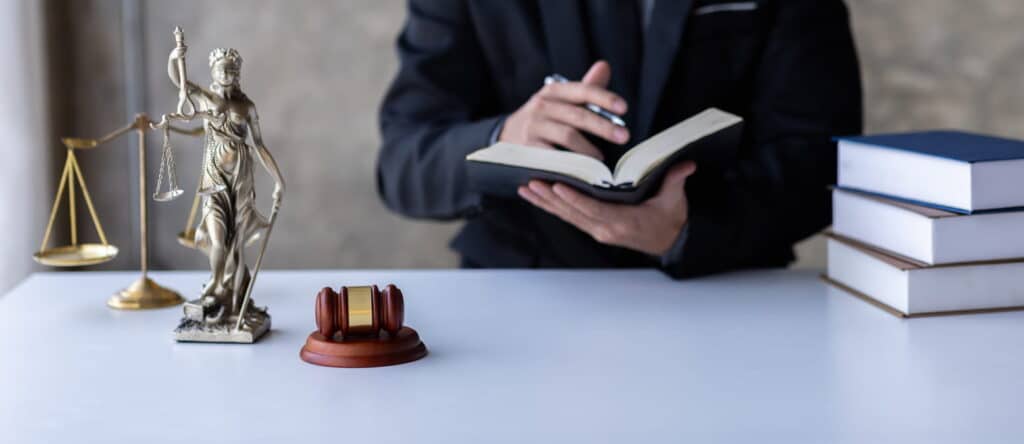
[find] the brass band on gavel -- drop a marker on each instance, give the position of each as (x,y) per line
(359,311)
(359,303)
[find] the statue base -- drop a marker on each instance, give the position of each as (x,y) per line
(255,325)
(377,351)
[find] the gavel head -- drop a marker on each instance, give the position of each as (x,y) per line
(359,311)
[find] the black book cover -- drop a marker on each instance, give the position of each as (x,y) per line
(715,151)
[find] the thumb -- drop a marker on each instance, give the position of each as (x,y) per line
(675,179)
(599,74)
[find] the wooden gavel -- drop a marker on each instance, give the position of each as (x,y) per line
(361,327)
(359,311)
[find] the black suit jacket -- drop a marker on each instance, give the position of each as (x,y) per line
(788,67)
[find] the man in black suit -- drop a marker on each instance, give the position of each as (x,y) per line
(472,71)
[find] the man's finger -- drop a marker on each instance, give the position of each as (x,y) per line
(599,74)
(555,205)
(534,198)
(581,93)
(537,143)
(543,191)
(580,118)
(676,176)
(592,208)
(674,184)
(557,133)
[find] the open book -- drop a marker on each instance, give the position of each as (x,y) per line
(710,138)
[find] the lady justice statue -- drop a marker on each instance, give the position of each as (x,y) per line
(225,312)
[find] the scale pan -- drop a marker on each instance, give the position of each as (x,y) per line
(187,238)
(76,255)
(167,195)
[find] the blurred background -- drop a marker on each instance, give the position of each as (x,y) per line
(316,70)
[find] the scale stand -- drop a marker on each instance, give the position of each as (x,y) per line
(142,294)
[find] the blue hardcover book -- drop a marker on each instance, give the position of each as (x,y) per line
(951,170)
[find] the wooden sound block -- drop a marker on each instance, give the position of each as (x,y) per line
(405,346)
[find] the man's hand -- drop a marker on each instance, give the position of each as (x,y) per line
(650,227)
(554,115)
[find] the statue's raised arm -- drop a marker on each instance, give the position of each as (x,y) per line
(188,93)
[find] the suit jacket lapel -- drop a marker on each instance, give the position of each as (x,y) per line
(564,30)
(661,45)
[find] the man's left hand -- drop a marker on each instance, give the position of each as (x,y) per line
(651,226)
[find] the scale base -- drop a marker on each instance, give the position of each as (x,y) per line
(144,294)
(405,346)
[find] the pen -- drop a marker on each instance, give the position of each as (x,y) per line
(610,116)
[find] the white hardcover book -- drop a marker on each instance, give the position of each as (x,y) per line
(914,289)
(926,234)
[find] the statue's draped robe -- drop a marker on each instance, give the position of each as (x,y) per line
(228,162)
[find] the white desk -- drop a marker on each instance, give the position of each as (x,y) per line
(516,356)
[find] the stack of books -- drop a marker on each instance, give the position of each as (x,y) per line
(929,222)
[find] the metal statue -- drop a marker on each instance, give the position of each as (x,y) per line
(229,220)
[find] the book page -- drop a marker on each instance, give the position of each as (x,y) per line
(645,157)
(567,163)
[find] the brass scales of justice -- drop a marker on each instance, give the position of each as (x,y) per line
(144,293)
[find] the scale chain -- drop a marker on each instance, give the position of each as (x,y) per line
(167,167)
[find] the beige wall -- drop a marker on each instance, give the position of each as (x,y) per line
(938,64)
(316,69)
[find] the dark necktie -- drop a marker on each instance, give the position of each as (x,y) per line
(616,35)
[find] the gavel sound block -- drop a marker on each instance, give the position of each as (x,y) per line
(361,327)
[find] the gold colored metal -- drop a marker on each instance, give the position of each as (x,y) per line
(56,203)
(144,293)
(71,210)
(141,122)
(75,254)
(187,237)
(76,143)
(360,308)
(79,255)
(88,199)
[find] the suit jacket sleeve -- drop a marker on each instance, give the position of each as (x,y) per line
(807,89)
(439,108)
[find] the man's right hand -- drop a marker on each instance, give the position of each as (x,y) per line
(555,115)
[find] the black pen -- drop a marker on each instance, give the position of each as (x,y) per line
(610,116)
